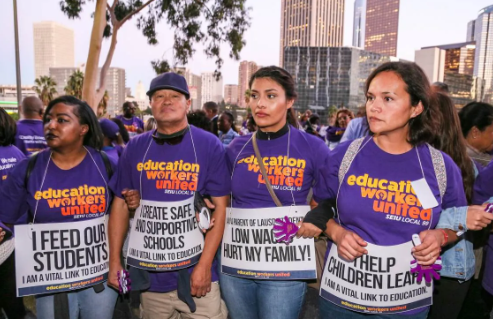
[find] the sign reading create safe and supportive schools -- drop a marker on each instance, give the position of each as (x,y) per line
(379,282)
(60,256)
(250,250)
(165,236)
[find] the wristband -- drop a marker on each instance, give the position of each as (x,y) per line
(445,236)
(320,215)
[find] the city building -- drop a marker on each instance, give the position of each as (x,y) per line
(8,96)
(245,72)
(359,23)
(452,64)
(212,89)
(471,26)
(382,25)
(483,62)
(194,86)
(128,92)
(311,23)
(332,76)
(115,85)
(53,47)
(140,91)
(231,94)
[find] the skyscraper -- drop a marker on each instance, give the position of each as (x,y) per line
(194,86)
(311,23)
(245,72)
(382,24)
(212,90)
(483,66)
(471,25)
(231,94)
(359,24)
(53,47)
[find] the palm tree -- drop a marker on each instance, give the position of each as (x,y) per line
(45,87)
(74,84)
(103,104)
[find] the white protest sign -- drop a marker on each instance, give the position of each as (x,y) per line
(249,248)
(165,236)
(380,282)
(60,256)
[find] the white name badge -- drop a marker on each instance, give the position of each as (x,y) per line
(379,282)
(249,248)
(165,236)
(424,193)
(58,257)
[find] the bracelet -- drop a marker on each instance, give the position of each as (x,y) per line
(445,236)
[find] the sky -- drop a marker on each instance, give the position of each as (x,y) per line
(421,23)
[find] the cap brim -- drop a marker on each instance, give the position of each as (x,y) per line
(169,87)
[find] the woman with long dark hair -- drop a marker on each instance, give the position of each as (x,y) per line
(67,183)
(387,188)
(262,286)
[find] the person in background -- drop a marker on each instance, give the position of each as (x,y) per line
(251,125)
(198,118)
(227,128)
(212,110)
(440,87)
(357,128)
(123,130)
(133,124)
(150,124)
(476,120)
(10,156)
(29,137)
(334,133)
(312,126)
(305,119)
(111,138)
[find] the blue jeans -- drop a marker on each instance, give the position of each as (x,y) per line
(328,310)
(262,299)
(83,304)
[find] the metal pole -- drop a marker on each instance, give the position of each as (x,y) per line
(17,61)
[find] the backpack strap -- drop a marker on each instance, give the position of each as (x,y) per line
(349,157)
(107,164)
(30,166)
(439,168)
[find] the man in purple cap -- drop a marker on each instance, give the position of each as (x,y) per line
(169,258)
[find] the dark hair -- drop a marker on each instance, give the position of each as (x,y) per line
(449,139)
(475,114)
(123,130)
(8,128)
(128,104)
(421,127)
(199,119)
(94,136)
(284,79)
(211,106)
(231,119)
(441,86)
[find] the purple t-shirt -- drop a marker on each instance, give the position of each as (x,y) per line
(376,200)
(66,195)
(112,153)
(307,155)
(483,191)
(132,125)
(30,136)
(9,157)
(213,178)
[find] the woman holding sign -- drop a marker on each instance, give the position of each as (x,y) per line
(388,187)
(276,166)
(63,255)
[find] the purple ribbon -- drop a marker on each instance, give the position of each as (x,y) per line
(427,271)
(284,230)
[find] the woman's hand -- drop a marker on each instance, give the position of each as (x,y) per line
(477,217)
(431,242)
(132,198)
(308,230)
(349,245)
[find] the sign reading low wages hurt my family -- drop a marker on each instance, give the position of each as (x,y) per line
(165,236)
(379,282)
(60,256)
(250,249)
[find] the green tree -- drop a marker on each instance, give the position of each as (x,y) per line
(45,88)
(332,110)
(210,22)
(75,84)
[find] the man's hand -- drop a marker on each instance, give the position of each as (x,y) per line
(200,281)
(132,198)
